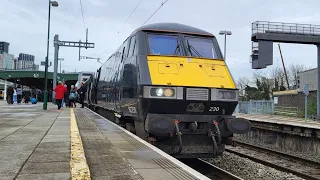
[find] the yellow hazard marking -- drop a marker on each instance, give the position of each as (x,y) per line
(78,165)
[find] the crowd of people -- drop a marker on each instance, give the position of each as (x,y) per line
(17,95)
(69,97)
(64,96)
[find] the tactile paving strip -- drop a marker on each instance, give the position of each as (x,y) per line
(103,160)
(166,164)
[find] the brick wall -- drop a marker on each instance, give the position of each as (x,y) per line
(295,100)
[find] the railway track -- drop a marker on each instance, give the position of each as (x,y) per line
(209,170)
(298,166)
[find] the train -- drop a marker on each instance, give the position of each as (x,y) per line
(168,83)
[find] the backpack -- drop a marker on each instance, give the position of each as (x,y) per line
(72,95)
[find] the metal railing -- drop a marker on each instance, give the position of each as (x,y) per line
(285,28)
(255,107)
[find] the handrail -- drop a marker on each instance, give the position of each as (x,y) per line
(287,28)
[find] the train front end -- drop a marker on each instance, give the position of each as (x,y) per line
(187,108)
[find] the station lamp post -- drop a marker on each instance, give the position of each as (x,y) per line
(45,93)
(225,33)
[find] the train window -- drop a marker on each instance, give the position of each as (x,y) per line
(164,45)
(132,46)
(201,47)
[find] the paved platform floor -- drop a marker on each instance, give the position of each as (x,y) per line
(77,143)
(281,120)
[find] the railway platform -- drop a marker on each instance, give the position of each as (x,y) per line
(283,124)
(77,143)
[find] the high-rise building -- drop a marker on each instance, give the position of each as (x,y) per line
(25,62)
(6,61)
(4,47)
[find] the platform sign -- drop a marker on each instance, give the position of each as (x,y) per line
(275,100)
(306,89)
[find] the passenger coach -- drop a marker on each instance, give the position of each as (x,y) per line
(169,84)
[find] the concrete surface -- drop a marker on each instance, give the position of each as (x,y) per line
(36,144)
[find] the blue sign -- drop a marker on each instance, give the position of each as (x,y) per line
(306,89)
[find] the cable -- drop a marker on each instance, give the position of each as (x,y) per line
(129,15)
(84,24)
(155,12)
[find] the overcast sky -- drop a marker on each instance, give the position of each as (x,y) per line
(23,23)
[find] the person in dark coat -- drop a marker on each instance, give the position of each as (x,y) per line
(66,97)
(82,92)
(19,94)
(10,92)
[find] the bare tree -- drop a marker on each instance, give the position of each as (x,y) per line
(242,82)
(294,69)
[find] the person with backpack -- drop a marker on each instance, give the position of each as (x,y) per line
(73,96)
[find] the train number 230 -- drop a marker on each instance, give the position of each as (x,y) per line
(214,109)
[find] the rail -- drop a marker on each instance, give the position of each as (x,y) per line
(286,111)
(298,166)
(285,28)
(209,170)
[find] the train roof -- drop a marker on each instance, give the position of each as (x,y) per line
(173,27)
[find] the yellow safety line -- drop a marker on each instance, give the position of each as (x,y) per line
(78,165)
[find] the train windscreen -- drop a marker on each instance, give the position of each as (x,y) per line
(164,45)
(201,47)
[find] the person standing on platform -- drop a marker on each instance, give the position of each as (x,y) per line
(82,92)
(66,96)
(14,95)
(19,94)
(10,92)
(72,97)
(60,90)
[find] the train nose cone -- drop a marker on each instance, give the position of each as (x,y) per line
(238,125)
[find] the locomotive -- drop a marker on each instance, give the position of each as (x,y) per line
(169,84)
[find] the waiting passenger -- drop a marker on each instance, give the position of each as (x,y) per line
(19,94)
(60,90)
(10,92)
(72,96)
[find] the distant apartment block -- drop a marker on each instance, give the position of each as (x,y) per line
(4,47)
(6,61)
(25,62)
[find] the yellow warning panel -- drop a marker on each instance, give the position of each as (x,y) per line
(185,71)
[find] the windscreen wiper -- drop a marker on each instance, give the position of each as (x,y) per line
(190,47)
(177,49)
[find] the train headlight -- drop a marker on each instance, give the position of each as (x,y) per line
(224,95)
(159,92)
(163,92)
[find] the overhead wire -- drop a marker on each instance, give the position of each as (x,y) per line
(84,24)
(145,21)
(124,23)
(155,11)
(130,16)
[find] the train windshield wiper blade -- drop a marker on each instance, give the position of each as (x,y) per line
(177,50)
(190,47)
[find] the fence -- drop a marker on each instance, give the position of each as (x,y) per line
(255,107)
